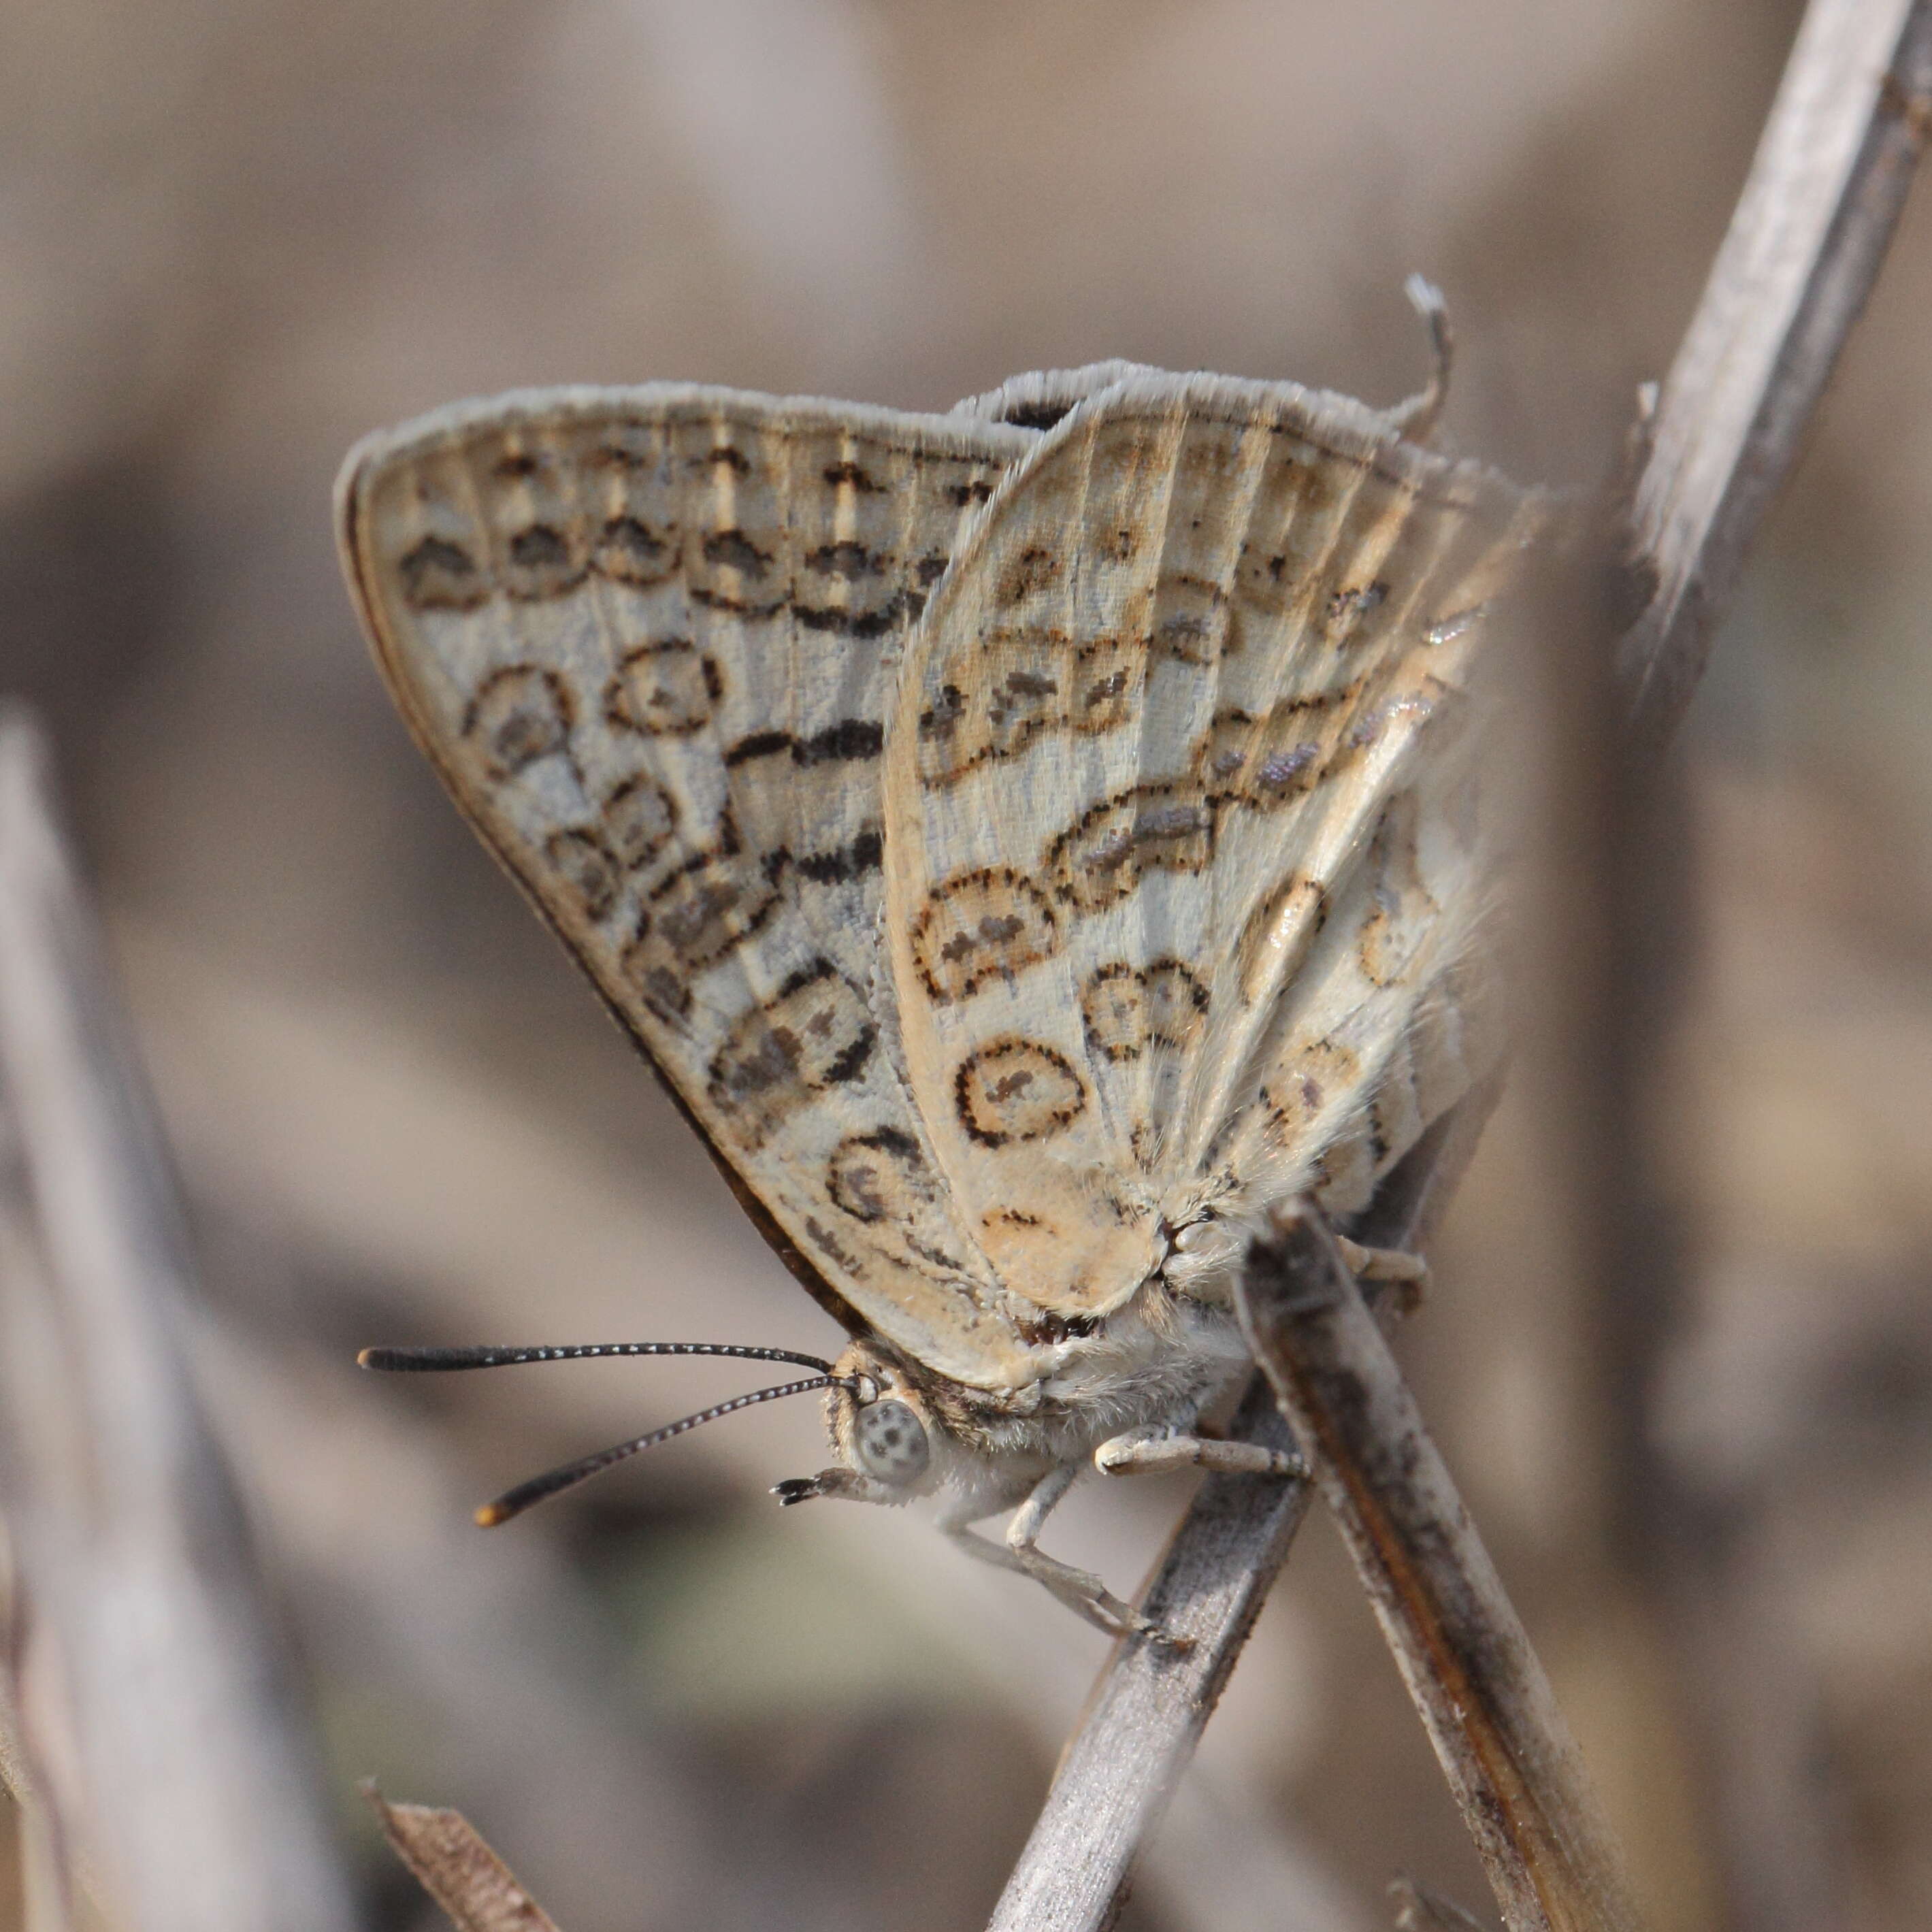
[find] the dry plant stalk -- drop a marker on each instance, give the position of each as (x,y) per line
(1551,1858)
(456,1868)
(1150,1709)
(154,1729)
(1838,151)
(1811,228)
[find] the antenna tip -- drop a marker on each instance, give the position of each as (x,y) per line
(365,1358)
(491,1515)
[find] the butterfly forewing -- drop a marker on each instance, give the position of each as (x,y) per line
(1178,872)
(649,638)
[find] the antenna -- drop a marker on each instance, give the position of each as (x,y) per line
(401,1361)
(514,1502)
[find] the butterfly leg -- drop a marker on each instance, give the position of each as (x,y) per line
(1142,1452)
(1080,1590)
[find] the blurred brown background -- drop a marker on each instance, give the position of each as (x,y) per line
(234,237)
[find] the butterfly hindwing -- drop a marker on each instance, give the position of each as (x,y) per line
(1178,875)
(649,638)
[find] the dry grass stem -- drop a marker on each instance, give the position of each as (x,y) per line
(1484,1700)
(1150,1706)
(1812,226)
(155,1724)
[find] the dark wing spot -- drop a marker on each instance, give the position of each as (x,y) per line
(848,560)
(845,623)
(850,738)
(1030,572)
(736,551)
(519,714)
(668,688)
(584,862)
(438,574)
(833,868)
(539,547)
(1016,1089)
(544,562)
(849,472)
(639,819)
(759,745)
(631,552)
(939,721)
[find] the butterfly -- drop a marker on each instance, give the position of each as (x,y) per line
(1027,842)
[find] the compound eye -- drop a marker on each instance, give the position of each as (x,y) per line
(892,1443)
(1204,1239)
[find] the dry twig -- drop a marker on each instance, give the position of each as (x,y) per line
(1830,176)
(1805,244)
(1151,1705)
(154,1717)
(1811,227)
(1488,1707)
(457,1869)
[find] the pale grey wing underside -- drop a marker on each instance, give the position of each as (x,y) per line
(650,637)
(1183,859)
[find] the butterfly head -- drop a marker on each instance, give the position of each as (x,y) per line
(883,1427)
(881,1424)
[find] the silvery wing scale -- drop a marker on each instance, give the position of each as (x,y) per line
(1027,842)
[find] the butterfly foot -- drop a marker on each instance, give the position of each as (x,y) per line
(1092,1600)
(834,1482)
(1084,1594)
(1149,1631)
